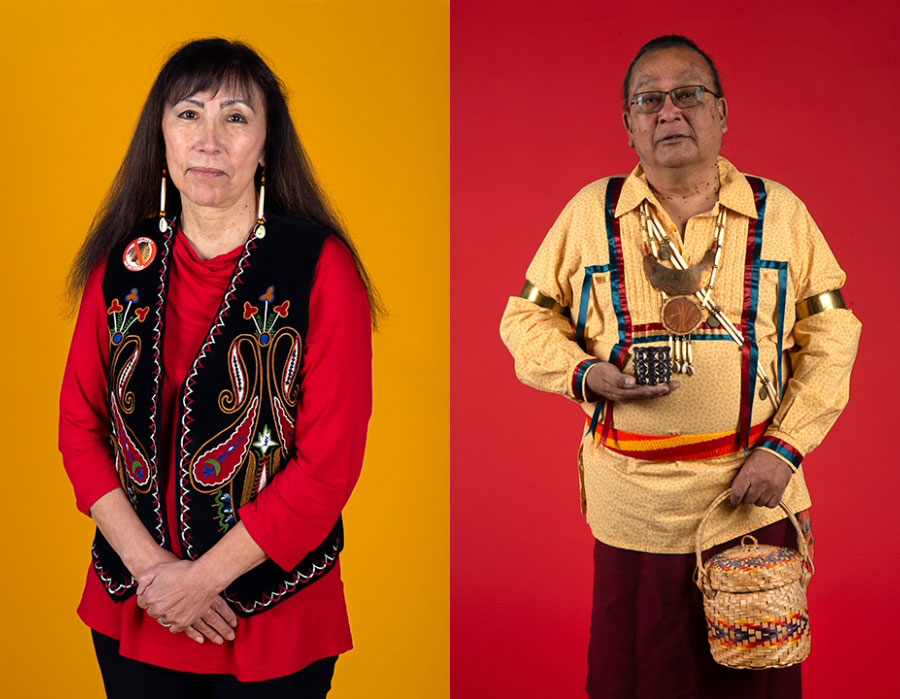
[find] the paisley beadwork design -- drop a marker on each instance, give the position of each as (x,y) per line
(131,457)
(217,463)
(263,370)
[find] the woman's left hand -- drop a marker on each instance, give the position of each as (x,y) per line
(178,597)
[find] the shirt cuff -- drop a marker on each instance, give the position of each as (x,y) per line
(579,378)
(90,486)
(783,449)
(255,524)
(86,499)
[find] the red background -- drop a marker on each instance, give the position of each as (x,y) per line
(535,88)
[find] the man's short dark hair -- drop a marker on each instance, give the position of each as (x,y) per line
(670,41)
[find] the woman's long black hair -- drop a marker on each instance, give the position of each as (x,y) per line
(291,187)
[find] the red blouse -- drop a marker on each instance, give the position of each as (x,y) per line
(290,516)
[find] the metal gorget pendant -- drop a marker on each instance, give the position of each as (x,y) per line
(679,282)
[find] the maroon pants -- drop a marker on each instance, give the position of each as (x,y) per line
(648,632)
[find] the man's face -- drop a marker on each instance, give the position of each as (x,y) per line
(675,137)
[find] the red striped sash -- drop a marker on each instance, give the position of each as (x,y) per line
(678,447)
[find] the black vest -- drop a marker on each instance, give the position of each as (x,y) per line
(236,409)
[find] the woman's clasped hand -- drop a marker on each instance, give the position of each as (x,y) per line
(179,597)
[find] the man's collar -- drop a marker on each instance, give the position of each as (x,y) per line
(735,192)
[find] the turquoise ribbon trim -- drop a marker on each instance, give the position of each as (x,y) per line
(756,230)
(579,377)
(589,273)
(613,189)
(665,338)
(782,268)
(783,449)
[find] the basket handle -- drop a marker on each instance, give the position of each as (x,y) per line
(700,575)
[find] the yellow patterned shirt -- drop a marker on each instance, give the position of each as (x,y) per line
(773,257)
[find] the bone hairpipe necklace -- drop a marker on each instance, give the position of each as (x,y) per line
(681,313)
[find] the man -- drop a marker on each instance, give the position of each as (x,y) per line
(731,276)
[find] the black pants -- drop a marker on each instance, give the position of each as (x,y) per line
(125,678)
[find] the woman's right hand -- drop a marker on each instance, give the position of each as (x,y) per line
(140,553)
(217,624)
(604,380)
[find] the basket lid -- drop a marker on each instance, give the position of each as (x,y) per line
(754,567)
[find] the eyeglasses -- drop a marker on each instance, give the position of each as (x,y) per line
(682,97)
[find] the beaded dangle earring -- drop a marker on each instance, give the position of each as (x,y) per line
(259,230)
(163,222)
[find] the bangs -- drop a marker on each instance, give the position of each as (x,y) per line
(212,65)
(234,79)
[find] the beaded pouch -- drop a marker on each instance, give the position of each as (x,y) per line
(652,365)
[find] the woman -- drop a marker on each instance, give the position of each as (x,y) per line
(223,350)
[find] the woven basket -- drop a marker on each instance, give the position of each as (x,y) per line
(754,597)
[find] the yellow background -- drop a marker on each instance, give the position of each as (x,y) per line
(369,91)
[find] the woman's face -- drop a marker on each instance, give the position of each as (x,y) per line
(214,142)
